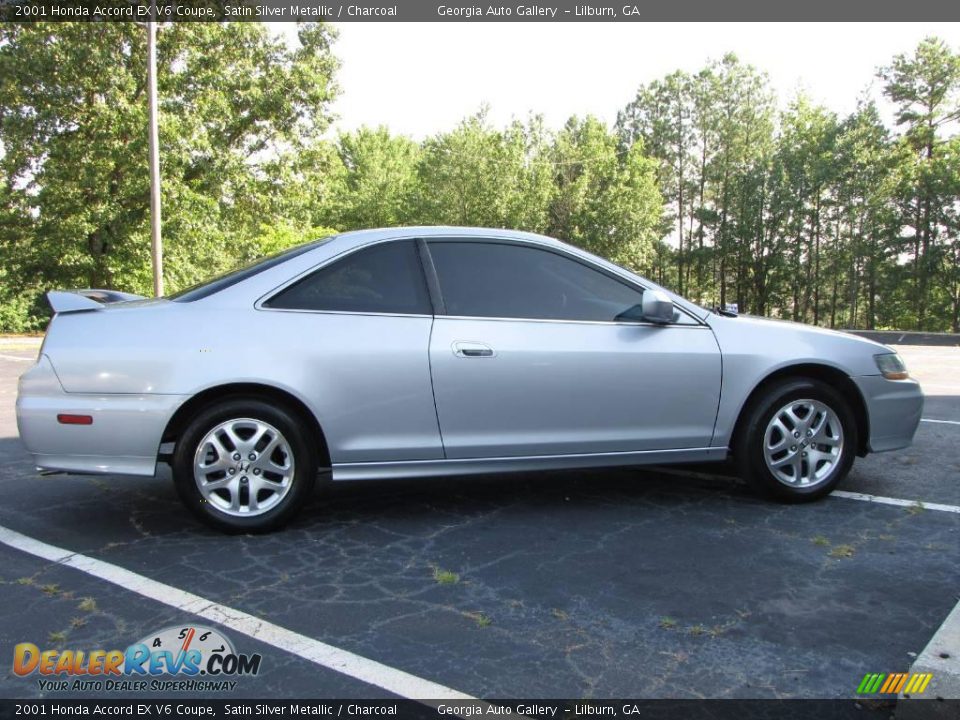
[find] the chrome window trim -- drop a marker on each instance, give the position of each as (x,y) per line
(343,312)
(619,323)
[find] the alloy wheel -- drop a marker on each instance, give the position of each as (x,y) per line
(243,467)
(803,443)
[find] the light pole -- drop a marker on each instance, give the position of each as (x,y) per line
(156,243)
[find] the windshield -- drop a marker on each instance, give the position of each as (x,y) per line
(221,282)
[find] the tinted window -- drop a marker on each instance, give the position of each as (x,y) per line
(386,278)
(514,281)
(221,282)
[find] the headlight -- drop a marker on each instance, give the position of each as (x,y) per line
(891,366)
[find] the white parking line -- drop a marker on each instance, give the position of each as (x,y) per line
(944,422)
(895,501)
(328,656)
(17,358)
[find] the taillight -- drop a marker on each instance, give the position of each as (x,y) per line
(65,419)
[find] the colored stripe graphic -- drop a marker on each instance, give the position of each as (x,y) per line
(894,683)
(870,683)
(891,682)
(918,683)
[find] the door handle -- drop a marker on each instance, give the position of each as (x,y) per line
(472,350)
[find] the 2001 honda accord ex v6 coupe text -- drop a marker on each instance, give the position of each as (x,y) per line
(431,351)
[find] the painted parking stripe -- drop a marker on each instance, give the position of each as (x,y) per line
(944,422)
(17,358)
(342,661)
(895,501)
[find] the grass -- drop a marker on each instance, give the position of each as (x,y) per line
(559,614)
(51,589)
(78,622)
(445,577)
(57,638)
(667,623)
(88,604)
(479,618)
(820,540)
(842,551)
(721,629)
(697,630)
(917,508)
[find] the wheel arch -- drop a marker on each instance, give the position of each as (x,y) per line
(248,391)
(834,377)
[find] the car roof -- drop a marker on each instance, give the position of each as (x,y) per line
(362,237)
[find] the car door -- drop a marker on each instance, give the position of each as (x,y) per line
(528,358)
(353,338)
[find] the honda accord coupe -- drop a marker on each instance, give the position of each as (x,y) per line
(414,352)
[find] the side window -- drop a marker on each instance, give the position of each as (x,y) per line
(513,281)
(385,278)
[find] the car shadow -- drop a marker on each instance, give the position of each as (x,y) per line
(116,507)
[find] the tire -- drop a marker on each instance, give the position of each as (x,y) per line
(798,442)
(244,465)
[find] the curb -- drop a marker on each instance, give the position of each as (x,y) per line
(941,657)
(20,343)
(903,337)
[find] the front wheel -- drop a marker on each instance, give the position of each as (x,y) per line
(244,466)
(798,442)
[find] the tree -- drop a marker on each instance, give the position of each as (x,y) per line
(660,117)
(926,88)
(235,105)
(477,175)
(605,200)
(379,182)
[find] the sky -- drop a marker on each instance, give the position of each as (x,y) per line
(423,78)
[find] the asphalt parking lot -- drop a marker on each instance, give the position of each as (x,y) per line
(621,583)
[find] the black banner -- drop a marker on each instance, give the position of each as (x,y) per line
(470,709)
(469,11)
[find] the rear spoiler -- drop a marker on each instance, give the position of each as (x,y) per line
(63,301)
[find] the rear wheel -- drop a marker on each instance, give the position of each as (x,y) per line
(244,466)
(798,442)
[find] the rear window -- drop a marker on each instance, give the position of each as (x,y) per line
(385,278)
(222,282)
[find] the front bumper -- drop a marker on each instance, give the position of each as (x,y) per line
(123,439)
(894,408)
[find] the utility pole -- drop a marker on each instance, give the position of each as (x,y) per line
(156,243)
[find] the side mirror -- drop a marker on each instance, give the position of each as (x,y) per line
(657,307)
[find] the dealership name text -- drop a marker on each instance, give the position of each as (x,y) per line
(542,11)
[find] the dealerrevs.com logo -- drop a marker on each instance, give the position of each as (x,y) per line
(191,658)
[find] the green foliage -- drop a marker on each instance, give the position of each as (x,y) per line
(236,106)
(605,200)
(802,214)
(277,237)
(476,175)
(377,179)
(703,184)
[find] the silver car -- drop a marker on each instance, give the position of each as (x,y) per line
(415,352)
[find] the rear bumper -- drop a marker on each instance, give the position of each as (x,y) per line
(123,439)
(894,408)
